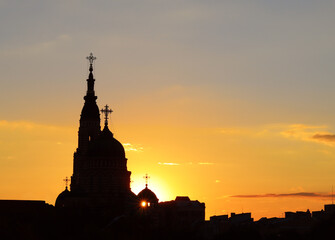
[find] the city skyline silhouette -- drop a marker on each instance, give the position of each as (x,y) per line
(230,104)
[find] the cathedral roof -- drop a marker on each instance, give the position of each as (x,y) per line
(62,197)
(148,195)
(106,145)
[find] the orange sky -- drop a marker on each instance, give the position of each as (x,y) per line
(211,165)
(228,102)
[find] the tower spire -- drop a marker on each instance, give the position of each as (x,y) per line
(90,80)
(90,114)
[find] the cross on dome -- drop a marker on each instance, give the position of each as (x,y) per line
(106,111)
(66,180)
(146,177)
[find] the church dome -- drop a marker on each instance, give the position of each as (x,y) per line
(105,145)
(63,198)
(147,195)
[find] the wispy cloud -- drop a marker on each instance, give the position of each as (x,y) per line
(17,125)
(130,147)
(169,164)
(237,131)
(41,47)
(327,138)
(189,163)
(301,131)
(28,126)
(7,157)
(285,195)
(309,133)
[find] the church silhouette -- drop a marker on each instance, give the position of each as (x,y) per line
(100,184)
(100,180)
(99,203)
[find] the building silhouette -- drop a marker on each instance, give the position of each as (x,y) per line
(147,197)
(100,182)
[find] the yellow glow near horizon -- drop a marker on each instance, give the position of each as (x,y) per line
(157,185)
(36,158)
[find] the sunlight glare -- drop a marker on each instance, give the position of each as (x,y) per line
(156,185)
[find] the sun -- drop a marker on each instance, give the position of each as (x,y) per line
(156,185)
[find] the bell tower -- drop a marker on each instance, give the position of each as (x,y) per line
(89,127)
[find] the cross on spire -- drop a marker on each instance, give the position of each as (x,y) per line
(66,180)
(106,111)
(146,177)
(91,58)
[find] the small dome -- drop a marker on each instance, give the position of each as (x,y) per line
(106,145)
(147,195)
(62,198)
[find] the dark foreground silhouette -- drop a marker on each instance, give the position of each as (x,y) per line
(36,220)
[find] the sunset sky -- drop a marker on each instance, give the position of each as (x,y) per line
(228,102)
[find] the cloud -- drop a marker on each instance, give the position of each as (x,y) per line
(7,157)
(285,195)
(309,133)
(24,133)
(328,138)
(189,163)
(237,131)
(40,47)
(17,125)
(29,126)
(169,164)
(130,147)
(301,131)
